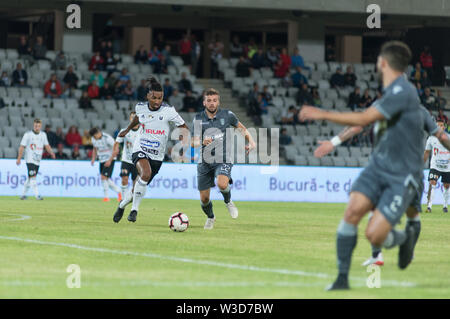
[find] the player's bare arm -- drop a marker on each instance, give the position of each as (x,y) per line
(50,151)
(94,155)
(443,138)
(243,130)
(426,155)
(326,147)
(367,117)
(132,124)
(20,154)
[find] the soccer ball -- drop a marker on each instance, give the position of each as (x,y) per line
(178,222)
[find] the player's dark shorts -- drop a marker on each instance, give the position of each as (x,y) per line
(434,175)
(154,165)
(206,174)
(33,169)
(390,194)
(106,171)
(126,169)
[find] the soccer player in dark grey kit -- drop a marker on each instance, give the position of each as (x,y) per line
(214,123)
(391,181)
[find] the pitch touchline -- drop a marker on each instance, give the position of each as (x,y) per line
(201,262)
(22,217)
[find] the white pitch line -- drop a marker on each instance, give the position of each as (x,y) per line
(22,217)
(203,262)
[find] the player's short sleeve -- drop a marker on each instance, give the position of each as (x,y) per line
(233,119)
(428,146)
(93,141)
(110,140)
(393,102)
(430,124)
(45,139)
(24,141)
(175,118)
(120,139)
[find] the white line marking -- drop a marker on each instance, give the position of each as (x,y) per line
(205,262)
(22,217)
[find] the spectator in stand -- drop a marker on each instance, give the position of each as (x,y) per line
(427,61)
(297,60)
(366,99)
(76,153)
(378,96)
(272,57)
(285,139)
(281,69)
(159,42)
(93,90)
(161,66)
(267,96)
(251,48)
(103,49)
(39,49)
(354,99)
(86,140)
(154,56)
(111,80)
(195,54)
(428,99)
(254,109)
(440,101)
(53,140)
(298,79)
(425,80)
(290,116)
(20,76)
(109,48)
(52,87)
(184,84)
(141,92)
(330,53)
(129,91)
(5,80)
(60,154)
(216,48)
(303,95)
(189,103)
(119,90)
(176,100)
(337,79)
(168,89)
(442,117)
(124,76)
(262,104)
(24,50)
(236,49)
(73,137)
(258,59)
(166,53)
(70,79)
(106,92)
(141,56)
(97,62)
(98,77)
(253,94)
(60,135)
(110,63)
(184,48)
(85,101)
(316,97)
(419,88)
(416,74)
(350,77)
(242,68)
(284,56)
(60,61)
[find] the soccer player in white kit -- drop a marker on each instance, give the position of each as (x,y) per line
(33,143)
(149,146)
(127,168)
(439,167)
(103,147)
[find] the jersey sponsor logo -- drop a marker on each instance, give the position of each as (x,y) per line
(141,155)
(161,118)
(222,121)
(397,89)
(148,143)
(156,132)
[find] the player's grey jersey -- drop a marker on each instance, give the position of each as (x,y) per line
(399,149)
(216,128)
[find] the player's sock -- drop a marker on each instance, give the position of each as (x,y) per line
(208,209)
(26,187)
(430,200)
(105,188)
(394,238)
(113,186)
(139,192)
(33,185)
(446,194)
(375,251)
(126,199)
(226,194)
(416,224)
(124,190)
(346,242)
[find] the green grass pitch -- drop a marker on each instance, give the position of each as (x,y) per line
(273,250)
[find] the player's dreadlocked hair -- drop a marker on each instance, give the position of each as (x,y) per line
(153,85)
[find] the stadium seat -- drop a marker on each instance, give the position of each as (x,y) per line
(355,151)
(339,161)
(351,162)
(4,142)
(363,161)
(326,161)
(301,160)
(342,151)
(313,161)
(10,152)
(291,152)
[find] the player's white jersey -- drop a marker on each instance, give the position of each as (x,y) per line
(128,142)
(34,146)
(154,129)
(104,147)
(440,156)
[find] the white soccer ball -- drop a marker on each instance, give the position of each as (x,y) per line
(178,222)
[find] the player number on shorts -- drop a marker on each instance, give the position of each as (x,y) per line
(396,203)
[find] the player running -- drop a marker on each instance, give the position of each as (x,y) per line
(103,147)
(154,117)
(33,142)
(391,182)
(214,124)
(439,167)
(127,168)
